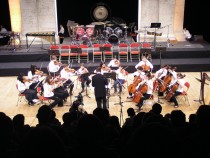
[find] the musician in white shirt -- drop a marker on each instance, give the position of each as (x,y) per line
(66,74)
(145,64)
(49,87)
(181,83)
(139,76)
(23,84)
(54,66)
(84,78)
(121,77)
(114,63)
(148,81)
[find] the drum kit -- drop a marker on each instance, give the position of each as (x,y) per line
(101,32)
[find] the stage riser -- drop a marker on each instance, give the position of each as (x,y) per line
(23,57)
(130,69)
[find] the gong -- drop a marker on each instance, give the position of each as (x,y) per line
(100,12)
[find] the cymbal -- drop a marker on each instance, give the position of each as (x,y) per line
(122,24)
(98,23)
(106,22)
(109,24)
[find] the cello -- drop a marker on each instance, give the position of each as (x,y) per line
(174,87)
(172,91)
(132,86)
(166,81)
(139,93)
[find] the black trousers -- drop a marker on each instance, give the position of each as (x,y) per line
(101,101)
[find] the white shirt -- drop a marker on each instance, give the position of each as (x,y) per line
(120,75)
(35,77)
(61,30)
(64,74)
(147,63)
(112,63)
(48,90)
(187,34)
(149,84)
(181,83)
(141,74)
(22,86)
(174,77)
(52,67)
(161,73)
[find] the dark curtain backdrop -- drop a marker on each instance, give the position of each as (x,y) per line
(81,11)
(196,17)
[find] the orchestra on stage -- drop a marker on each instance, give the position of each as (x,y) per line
(58,83)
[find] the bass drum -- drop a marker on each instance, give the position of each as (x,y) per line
(113,39)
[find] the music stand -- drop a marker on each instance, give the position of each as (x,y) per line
(54,52)
(85,76)
(161,50)
(145,51)
(78,51)
(111,75)
(155,25)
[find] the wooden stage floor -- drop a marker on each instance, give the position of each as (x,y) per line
(9,97)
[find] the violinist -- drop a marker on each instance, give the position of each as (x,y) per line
(114,63)
(23,84)
(54,67)
(148,81)
(104,68)
(84,78)
(35,75)
(180,88)
(121,76)
(145,64)
(139,76)
(49,86)
(66,74)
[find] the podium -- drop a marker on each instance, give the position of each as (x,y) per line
(155,25)
(160,49)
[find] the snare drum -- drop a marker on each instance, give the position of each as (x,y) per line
(80,31)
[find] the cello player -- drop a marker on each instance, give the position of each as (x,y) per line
(149,82)
(180,89)
(145,64)
(139,76)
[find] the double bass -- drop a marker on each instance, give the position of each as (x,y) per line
(139,92)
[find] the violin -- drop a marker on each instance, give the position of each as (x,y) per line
(117,62)
(106,68)
(70,70)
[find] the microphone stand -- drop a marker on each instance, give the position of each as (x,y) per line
(121,112)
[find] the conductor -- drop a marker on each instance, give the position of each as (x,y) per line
(99,82)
